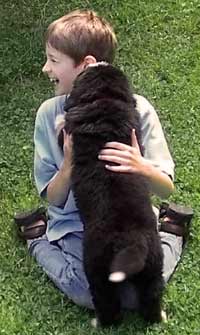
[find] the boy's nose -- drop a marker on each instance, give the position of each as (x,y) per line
(46,68)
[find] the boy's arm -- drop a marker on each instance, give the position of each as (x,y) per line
(51,171)
(58,188)
(157,163)
(130,160)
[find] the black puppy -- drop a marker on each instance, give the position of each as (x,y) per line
(120,231)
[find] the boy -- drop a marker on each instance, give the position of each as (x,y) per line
(72,43)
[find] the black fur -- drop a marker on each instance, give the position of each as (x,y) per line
(120,232)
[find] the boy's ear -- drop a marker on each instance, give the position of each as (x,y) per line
(89,60)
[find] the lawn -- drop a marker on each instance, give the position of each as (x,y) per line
(159,49)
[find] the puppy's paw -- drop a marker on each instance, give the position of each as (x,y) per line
(94,322)
(163,316)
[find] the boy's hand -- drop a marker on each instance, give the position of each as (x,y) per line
(67,151)
(128,157)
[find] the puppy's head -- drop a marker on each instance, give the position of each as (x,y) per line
(99,81)
(101,95)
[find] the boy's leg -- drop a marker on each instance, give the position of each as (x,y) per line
(172,245)
(172,248)
(62,262)
(175,221)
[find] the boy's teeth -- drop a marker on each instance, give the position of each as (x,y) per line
(53,80)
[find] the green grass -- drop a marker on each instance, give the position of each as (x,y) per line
(159,50)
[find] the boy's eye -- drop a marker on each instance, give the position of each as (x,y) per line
(52,60)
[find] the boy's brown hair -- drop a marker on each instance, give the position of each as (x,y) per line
(81,33)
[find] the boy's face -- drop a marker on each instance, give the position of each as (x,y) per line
(61,70)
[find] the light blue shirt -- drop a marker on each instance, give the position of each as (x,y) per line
(48,158)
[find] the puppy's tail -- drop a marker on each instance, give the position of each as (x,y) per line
(128,262)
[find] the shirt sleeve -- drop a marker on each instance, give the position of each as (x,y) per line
(153,139)
(45,168)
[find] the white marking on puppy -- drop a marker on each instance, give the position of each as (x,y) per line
(94,323)
(164,316)
(98,64)
(117,277)
(59,123)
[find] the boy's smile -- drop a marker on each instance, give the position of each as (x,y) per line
(61,70)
